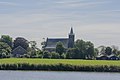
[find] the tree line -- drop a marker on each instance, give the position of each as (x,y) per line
(81,50)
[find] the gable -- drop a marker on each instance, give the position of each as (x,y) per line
(19,50)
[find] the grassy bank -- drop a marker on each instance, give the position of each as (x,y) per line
(59,65)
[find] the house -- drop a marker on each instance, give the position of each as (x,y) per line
(67,42)
(17,52)
(107,57)
(101,57)
(113,57)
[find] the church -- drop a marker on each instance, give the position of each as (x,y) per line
(51,43)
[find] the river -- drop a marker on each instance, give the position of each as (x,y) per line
(46,75)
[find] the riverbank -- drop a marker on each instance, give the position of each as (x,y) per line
(59,65)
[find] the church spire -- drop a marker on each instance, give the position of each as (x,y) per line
(71,31)
(71,39)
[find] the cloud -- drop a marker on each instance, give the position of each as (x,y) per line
(90,19)
(8,4)
(80,3)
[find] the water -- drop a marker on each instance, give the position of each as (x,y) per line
(44,75)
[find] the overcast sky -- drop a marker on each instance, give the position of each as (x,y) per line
(97,21)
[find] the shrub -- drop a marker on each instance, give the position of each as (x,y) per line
(63,56)
(55,55)
(46,54)
(59,67)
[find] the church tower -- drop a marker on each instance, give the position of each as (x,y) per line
(71,39)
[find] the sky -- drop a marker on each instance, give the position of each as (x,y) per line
(97,21)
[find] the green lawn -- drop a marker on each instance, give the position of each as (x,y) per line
(57,61)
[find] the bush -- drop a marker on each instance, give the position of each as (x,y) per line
(59,67)
(46,54)
(55,55)
(4,55)
(63,56)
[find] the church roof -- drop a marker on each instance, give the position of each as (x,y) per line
(51,42)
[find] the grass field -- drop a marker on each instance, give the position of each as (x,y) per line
(58,61)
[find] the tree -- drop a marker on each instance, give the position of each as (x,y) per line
(101,50)
(115,49)
(118,54)
(84,49)
(108,50)
(69,54)
(33,51)
(5,50)
(89,50)
(33,44)
(80,48)
(7,39)
(43,45)
(96,51)
(63,56)
(73,53)
(19,41)
(60,48)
